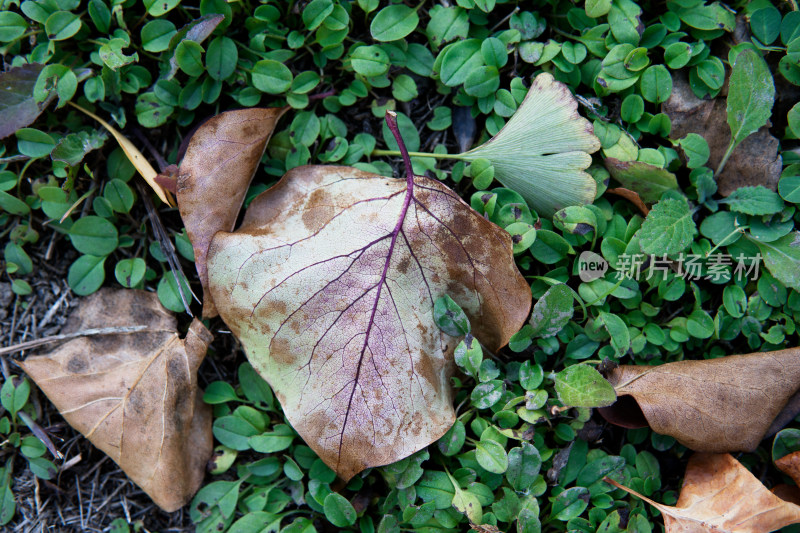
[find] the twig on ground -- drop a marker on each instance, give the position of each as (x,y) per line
(85,333)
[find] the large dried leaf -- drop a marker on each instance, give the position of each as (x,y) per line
(754,162)
(716,405)
(330,284)
(18,107)
(719,495)
(135,395)
(220,161)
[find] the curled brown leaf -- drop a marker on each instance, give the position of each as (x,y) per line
(134,396)
(220,161)
(719,495)
(715,405)
(632,196)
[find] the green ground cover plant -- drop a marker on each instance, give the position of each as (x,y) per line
(691,218)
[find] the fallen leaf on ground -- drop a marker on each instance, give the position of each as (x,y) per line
(330,284)
(134,396)
(719,495)
(715,405)
(137,159)
(221,159)
(754,162)
(17,104)
(543,150)
(790,465)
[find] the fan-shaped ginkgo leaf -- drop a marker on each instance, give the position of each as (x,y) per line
(543,150)
(330,285)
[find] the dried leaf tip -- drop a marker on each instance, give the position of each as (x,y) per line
(133,154)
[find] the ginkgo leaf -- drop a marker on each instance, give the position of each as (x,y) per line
(220,161)
(330,285)
(135,395)
(719,495)
(543,150)
(715,405)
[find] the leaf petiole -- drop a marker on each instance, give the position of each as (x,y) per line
(725,158)
(376,153)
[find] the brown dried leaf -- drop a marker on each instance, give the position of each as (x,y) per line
(790,465)
(632,196)
(715,405)
(719,495)
(17,104)
(221,160)
(754,162)
(330,284)
(134,396)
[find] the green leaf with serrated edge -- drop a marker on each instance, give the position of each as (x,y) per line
(583,386)
(552,311)
(756,200)
(73,147)
(545,168)
(751,94)
(668,228)
(782,258)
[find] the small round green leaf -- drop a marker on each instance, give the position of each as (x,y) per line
(156,35)
(130,272)
(62,25)
(370,61)
(12,25)
(94,235)
(34,143)
(271,77)
(339,511)
(394,22)
(221,57)
(189,56)
(86,274)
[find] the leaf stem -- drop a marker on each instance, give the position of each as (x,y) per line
(739,229)
(376,153)
(725,157)
(391,122)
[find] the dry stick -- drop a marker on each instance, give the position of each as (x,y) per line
(85,333)
(53,308)
(41,434)
(166,247)
(162,163)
